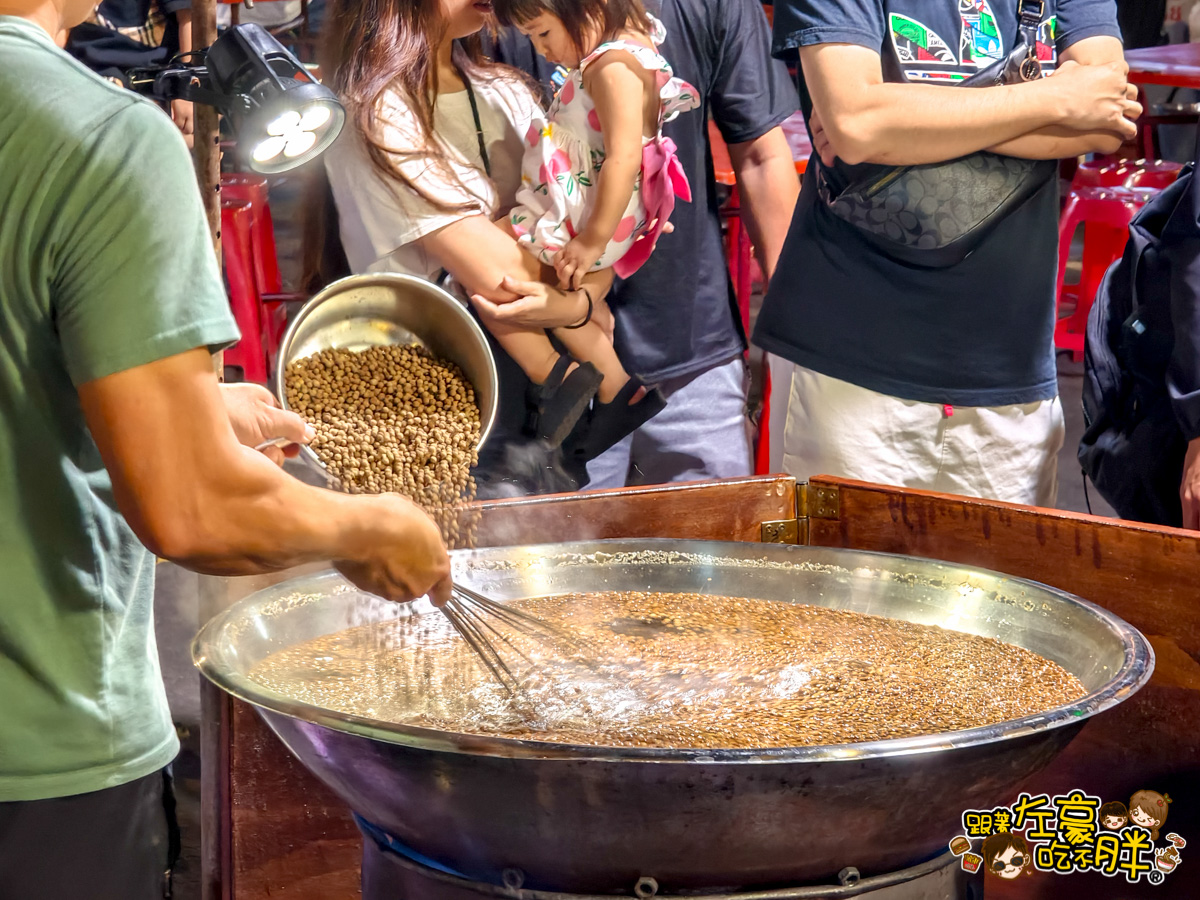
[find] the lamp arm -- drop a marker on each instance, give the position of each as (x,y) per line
(184,83)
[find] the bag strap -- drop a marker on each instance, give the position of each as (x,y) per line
(1022,63)
(444,279)
(1029,21)
(483,154)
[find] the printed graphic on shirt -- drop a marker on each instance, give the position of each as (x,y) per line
(915,42)
(1047,49)
(927,56)
(981,41)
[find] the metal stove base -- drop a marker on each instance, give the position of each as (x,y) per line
(390,876)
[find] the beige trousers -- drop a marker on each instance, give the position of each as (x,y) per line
(1007,453)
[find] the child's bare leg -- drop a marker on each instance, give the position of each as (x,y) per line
(530,349)
(591,343)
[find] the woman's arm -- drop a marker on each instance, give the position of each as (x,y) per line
(611,81)
(504,281)
(479,255)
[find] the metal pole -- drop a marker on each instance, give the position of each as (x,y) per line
(207,130)
(214,812)
(207,140)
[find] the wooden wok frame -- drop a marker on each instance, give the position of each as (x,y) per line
(272,830)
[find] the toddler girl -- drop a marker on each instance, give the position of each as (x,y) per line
(599,182)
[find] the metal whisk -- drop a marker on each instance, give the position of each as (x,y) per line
(475,618)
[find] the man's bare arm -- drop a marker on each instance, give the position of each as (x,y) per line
(769,188)
(865,119)
(194,494)
(1061,142)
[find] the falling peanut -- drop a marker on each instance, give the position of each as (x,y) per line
(393,419)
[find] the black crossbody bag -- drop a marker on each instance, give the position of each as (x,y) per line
(936,215)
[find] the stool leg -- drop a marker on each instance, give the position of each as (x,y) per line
(744,286)
(1066,235)
(244,297)
(762,452)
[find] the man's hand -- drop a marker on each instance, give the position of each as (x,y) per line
(575,260)
(405,559)
(256,417)
(182,115)
(1189,490)
(1098,98)
(821,139)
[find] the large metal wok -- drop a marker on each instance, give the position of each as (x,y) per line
(590,819)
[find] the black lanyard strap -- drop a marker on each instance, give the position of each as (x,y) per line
(483,154)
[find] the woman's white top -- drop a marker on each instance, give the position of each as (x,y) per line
(381,219)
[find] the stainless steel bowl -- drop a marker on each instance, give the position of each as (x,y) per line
(388,308)
(595,819)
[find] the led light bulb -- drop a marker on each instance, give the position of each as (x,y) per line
(285,124)
(269,148)
(315,116)
(299,143)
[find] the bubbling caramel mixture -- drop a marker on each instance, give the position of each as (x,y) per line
(678,671)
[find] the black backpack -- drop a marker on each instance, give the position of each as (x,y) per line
(1142,357)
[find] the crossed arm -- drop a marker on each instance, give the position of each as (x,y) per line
(1086,106)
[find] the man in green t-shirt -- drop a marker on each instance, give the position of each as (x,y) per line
(115,437)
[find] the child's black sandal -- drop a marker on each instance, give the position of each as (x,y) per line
(561,400)
(610,423)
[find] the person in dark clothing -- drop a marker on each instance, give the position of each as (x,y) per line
(939,378)
(677,321)
(1141,395)
(127,34)
(1141,22)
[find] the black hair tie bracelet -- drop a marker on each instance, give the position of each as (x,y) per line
(588,317)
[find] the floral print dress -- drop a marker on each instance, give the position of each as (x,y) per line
(563,160)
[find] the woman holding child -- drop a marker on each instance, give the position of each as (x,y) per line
(429,178)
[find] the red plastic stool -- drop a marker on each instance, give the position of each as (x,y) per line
(253,189)
(1109,172)
(245,300)
(1105,214)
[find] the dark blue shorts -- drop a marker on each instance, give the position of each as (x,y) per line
(115,844)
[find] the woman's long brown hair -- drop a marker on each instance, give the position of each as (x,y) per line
(370,47)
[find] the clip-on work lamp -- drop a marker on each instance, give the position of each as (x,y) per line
(282,117)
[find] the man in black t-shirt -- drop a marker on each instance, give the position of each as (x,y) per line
(935,378)
(1141,22)
(677,321)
